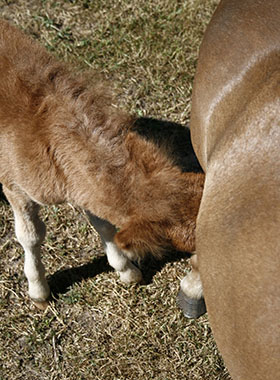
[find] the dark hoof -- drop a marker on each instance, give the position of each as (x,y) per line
(192,308)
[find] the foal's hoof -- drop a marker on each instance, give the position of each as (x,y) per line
(132,275)
(41,305)
(191,307)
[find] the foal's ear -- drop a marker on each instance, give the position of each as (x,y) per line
(139,238)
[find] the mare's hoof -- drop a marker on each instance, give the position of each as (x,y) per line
(191,307)
(41,305)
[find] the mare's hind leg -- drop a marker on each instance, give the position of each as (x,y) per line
(127,271)
(30,232)
(190,298)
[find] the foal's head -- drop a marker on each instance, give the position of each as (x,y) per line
(173,228)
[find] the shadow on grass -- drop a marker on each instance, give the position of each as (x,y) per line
(175,139)
(61,281)
(150,266)
(2,195)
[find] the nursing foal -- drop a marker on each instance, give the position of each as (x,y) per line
(62,140)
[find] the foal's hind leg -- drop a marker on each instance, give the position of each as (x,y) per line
(127,271)
(30,232)
(190,298)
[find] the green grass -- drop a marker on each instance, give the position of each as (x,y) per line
(98,328)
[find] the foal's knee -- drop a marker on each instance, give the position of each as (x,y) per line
(30,234)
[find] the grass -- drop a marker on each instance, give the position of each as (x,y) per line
(98,328)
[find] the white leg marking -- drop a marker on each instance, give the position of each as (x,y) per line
(191,284)
(30,232)
(127,271)
(117,259)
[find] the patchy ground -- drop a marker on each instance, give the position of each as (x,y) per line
(98,328)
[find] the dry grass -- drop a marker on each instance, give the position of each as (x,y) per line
(99,328)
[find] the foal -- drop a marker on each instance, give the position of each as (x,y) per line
(62,140)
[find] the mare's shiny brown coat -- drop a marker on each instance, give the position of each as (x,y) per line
(235,127)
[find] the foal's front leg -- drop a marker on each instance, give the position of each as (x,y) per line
(127,271)
(30,232)
(190,298)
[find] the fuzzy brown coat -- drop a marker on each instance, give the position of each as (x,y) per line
(63,140)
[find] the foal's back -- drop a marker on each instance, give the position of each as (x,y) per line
(26,75)
(40,117)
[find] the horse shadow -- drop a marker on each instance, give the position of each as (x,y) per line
(2,195)
(176,140)
(62,280)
